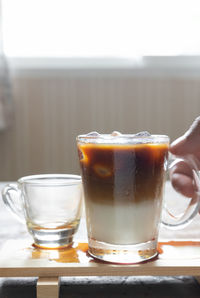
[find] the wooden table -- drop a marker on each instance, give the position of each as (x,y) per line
(18,258)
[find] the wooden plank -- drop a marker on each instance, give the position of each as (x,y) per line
(19,259)
(156,268)
(48,287)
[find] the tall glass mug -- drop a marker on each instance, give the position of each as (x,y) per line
(50,205)
(123,180)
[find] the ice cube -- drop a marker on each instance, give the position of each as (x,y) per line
(102,170)
(115,133)
(143,134)
(93,134)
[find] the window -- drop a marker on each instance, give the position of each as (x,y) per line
(100,28)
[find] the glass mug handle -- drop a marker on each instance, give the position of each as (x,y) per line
(12,201)
(178,222)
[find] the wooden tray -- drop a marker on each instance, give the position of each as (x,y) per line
(18,258)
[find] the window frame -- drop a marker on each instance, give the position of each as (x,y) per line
(176,66)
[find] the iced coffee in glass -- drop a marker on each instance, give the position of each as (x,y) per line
(123,179)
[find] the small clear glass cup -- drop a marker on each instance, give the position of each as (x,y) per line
(49,204)
(123,181)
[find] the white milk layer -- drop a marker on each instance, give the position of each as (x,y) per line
(125,223)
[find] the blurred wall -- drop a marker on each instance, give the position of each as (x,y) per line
(53,107)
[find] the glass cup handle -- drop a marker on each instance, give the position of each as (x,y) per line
(12,202)
(178,222)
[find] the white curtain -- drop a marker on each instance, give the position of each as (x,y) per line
(6,103)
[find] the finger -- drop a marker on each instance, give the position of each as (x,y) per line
(182,179)
(181,167)
(183,184)
(189,143)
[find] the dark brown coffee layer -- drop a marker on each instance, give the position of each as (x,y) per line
(122,173)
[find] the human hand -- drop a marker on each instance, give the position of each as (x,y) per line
(181,174)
